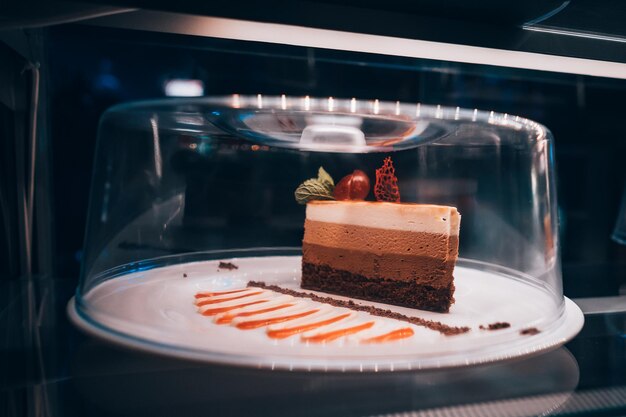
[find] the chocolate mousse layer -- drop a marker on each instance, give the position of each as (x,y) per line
(435,272)
(402,293)
(427,258)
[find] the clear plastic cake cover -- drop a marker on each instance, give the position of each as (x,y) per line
(194,198)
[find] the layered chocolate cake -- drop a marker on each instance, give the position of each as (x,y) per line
(394,253)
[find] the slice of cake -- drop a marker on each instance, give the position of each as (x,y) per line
(393,253)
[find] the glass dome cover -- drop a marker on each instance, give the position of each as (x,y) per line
(182,187)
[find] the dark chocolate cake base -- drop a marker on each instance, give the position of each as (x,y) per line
(406,294)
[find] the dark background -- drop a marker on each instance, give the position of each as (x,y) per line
(47,368)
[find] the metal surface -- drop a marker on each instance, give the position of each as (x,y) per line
(35,14)
(356,42)
(602,305)
(552,404)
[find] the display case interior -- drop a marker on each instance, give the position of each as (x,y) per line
(195,197)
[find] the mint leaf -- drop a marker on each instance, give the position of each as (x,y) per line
(314,189)
(324,176)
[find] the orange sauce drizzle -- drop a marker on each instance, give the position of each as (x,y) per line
(217,310)
(253,324)
(228,318)
(397,334)
(388,337)
(336,334)
(214,293)
(221,300)
(290,331)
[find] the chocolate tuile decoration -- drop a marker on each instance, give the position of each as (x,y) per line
(386,187)
(375,311)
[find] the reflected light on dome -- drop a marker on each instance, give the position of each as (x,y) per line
(236,101)
(156,141)
(574,33)
(184,88)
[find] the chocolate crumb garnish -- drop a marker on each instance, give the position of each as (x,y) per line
(184,275)
(430,324)
(531,331)
(495,326)
(227,265)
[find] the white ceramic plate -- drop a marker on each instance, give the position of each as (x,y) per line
(153,310)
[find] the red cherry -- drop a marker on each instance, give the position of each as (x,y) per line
(355,186)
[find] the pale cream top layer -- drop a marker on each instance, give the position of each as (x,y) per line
(391,216)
